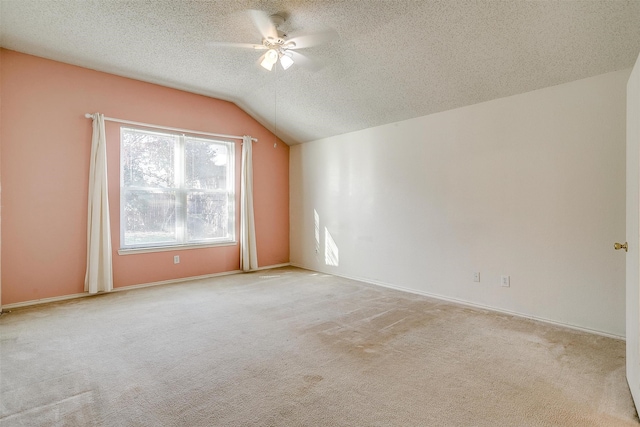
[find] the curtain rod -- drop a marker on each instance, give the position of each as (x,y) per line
(128,122)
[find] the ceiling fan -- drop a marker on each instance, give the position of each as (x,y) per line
(278,45)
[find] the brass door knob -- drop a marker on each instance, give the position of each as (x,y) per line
(618,246)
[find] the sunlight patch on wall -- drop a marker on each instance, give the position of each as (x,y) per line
(331,256)
(316,220)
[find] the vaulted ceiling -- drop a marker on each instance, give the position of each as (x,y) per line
(392,60)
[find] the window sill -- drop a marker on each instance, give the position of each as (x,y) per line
(131,251)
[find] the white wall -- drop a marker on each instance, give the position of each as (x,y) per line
(531,186)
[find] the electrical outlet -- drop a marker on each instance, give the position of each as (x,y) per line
(505,281)
(476,276)
(176,259)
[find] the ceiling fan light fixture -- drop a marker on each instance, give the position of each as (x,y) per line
(286,61)
(266,65)
(270,58)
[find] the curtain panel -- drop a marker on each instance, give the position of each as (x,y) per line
(248,250)
(99,275)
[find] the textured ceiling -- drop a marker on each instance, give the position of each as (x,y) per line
(393,60)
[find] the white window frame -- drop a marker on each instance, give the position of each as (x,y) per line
(181,192)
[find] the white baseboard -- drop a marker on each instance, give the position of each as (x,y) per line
(43,301)
(130,287)
(172,281)
(471,304)
(269,267)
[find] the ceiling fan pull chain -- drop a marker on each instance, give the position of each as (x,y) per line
(275,108)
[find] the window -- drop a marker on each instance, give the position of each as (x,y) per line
(175,190)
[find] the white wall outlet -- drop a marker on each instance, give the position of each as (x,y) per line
(505,281)
(176,259)
(476,276)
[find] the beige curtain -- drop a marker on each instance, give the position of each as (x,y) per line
(248,250)
(99,275)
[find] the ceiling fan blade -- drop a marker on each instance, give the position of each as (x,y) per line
(240,45)
(303,61)
(308,40)
(263,23)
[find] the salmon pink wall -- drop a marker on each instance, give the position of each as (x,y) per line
(45,143)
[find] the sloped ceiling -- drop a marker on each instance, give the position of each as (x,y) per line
(393,60)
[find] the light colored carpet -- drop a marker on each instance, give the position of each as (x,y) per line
(289,347)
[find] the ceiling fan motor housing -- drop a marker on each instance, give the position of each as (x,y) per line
(279,44)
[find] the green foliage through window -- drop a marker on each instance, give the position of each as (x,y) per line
(175,189)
